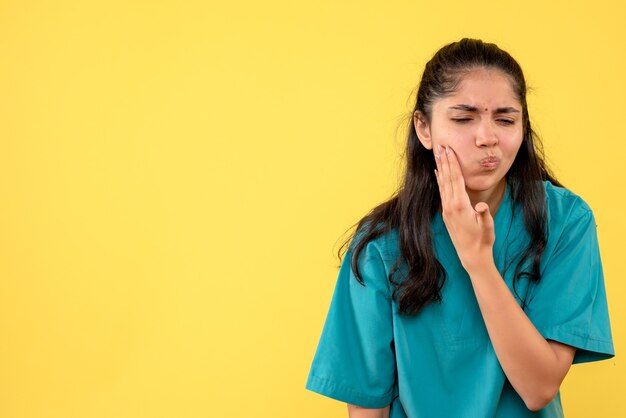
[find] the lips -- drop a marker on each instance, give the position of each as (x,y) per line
(490,162)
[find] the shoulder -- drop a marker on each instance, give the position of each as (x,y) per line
(374,263)
(387,245)
(564,206)
(382,250)
(570,219)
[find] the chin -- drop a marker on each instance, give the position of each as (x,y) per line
(481,184)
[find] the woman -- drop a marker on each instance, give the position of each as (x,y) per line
(475,287)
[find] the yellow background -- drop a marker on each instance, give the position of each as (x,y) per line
(175,177)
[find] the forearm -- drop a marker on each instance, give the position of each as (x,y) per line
(359,412)
(528,360)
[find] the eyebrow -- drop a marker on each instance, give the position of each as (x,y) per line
(470,108)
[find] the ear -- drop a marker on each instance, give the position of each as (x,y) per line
(422,129)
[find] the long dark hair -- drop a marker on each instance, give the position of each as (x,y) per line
(412,207)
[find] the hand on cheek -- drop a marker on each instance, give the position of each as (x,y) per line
(471,229)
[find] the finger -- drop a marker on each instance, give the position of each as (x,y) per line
(440,180)
(457,182)
(456,175)
(437,178)
(483,215)
(444,175)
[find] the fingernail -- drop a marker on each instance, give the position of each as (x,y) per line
(447,149)
(439,149)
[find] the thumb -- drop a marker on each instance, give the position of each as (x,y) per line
(483,215)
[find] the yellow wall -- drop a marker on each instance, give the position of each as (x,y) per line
(175,175)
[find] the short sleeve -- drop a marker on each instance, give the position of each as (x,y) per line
(569,303)
(355,359)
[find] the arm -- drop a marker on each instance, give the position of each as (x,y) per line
(534,366)
(359,412)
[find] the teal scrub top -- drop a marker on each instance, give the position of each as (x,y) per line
(440,362)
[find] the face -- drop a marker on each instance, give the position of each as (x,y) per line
(482,122)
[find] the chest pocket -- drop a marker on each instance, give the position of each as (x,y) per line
(458,314)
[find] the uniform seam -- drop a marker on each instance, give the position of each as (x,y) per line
(575,334)
(352,390)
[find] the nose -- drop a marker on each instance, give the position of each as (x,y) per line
(486,135)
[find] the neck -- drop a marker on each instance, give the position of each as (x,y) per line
(492,197)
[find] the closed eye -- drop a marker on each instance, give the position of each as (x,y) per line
(464,120)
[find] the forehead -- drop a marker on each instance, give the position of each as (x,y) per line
(486,89)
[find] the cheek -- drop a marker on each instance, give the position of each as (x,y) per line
(457,140)
(511,148)
(464,159)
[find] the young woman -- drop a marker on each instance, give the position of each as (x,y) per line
(475,287)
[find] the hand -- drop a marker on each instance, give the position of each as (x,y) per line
(471,229)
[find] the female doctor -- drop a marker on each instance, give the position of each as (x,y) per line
(472,290)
